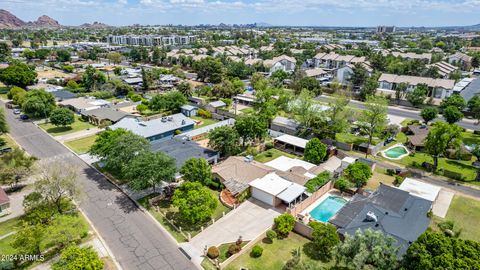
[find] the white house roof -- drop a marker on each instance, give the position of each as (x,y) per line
(420,189)
(271,184)
(349,160)
(283,163)
(292,140)
(291,193)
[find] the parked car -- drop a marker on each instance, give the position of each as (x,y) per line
(24,117)
(5,150)
(17,111)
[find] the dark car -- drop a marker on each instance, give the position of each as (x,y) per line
(5,150)
(24,117)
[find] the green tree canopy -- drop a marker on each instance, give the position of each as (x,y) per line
(224,140)
(62,117)
(76,258)
(3,122)
(441,137)
(148,169)
(18,74)
(209,69)
(418,95)
(315,151)
(194,201)
(428,114)
(284,224)
(38,103)
(250,127)
(170,101)
(197,170)
(123,150)
(454,100)
(5,51)
(325,238)
(106,140)
(92,79)
(373,119)
(452,114)
(474,107)
(358,173)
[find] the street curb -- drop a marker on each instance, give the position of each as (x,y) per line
(145,211)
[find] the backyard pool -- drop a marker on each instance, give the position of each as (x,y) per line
(328,208)
(395,152)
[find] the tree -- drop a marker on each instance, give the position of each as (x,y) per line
(38,103)
(93,78)
(197,170)
(305,109)
(441,137)
(194,201)
(337,116)
(370,249)
(374,118)
(27,239)
(170,101)
(369,87)
(15,166)
(325,238)
(454,100)
(185,88)
(250,127)
(358,173)
(17,95)
(123,150)
(57,182)
(284,224)
(18,74)
(224,140)
(63,55)
(147,78)
(452,114)
(400,91)
(5,51)
(315,151)
(3,122)
(474,107)
(77,258)
(114,57)
(428,114)
(105,141)
(434,250)
(359,76)
(418,95)
(64,230)
(308,83)
(62,117)
(148,169)
(209,69)
(227,89)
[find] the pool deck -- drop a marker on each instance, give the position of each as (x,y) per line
(333,192)
(393,146)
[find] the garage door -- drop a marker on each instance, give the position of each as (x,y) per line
(262,196)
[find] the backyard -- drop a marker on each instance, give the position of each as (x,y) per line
(276,254)
(465,212)
(78,125)
(205,121)
(171,212)
(271,154)
(82,145)
(354,139)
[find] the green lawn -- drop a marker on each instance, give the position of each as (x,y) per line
(353,139)
(276,254)
(82,145)
(9,226)
(172,213)
(78,125)
(465,212)
(10,142)
(469,138)
(205,121)
(271,154)
(247,110)
(5,246)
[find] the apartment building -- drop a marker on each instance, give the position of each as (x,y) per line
(149,40)
(438,88)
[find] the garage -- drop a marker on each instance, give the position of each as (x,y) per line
(262,196)
(273,190)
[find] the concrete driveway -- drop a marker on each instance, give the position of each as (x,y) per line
(249,220)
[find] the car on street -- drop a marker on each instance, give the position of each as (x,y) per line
(17,111)
(24,117)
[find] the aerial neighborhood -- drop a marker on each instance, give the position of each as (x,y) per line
(238,146)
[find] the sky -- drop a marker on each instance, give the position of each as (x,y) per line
(275,12)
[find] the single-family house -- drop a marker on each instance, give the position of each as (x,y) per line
(393,211)
(462,60)
(425,57)
(285,125)
(344,73)
(4,203)
(215,105)
(416,135)
(182,150)
(275,190)
(438,88)
(189,110)
(102,115)
(318,73)
(80,104)
(444,69)
(156,129)
(467,88)
(61,95)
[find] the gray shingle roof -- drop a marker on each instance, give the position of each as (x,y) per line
(182,150)
(471,90)
(106,114)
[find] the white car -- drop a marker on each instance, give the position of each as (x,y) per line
(17,111)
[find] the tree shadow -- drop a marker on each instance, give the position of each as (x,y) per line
(313,252)
(55,130)
(267,240)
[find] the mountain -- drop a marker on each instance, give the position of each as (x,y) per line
(8,20)
(45,21)
(95,25)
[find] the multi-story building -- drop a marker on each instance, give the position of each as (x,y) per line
(385,29)
(149,40)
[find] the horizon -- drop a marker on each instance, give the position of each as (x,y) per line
(323,13)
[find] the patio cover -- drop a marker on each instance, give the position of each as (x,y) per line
(291,193)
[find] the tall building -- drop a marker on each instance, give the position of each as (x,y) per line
(385,29)
(148,40)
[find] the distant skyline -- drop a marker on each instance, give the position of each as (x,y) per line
(275,12)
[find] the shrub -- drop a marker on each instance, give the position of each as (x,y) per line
(204,113)
(398,180)
(136,98)
(256,251)
(213,252)
(271,235)
(178,131)
(284,224)
(233,249)
(251,151)
(268,154)
(390,172)
(268,145)
(317,182)
(342,184)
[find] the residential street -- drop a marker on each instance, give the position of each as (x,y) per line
(134,238)
(405,113)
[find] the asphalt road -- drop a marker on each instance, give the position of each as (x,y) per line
(133,237)
(410,113)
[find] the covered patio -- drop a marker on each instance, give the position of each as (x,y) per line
(291,144)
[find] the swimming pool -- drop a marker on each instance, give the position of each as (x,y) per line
(328,208)
(395,152)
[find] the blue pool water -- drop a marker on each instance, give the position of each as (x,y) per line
(328,208)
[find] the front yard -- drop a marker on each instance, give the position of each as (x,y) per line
(82,145)
(171,212)
(276,254)
(78,125)
(465,213)
(8,140)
